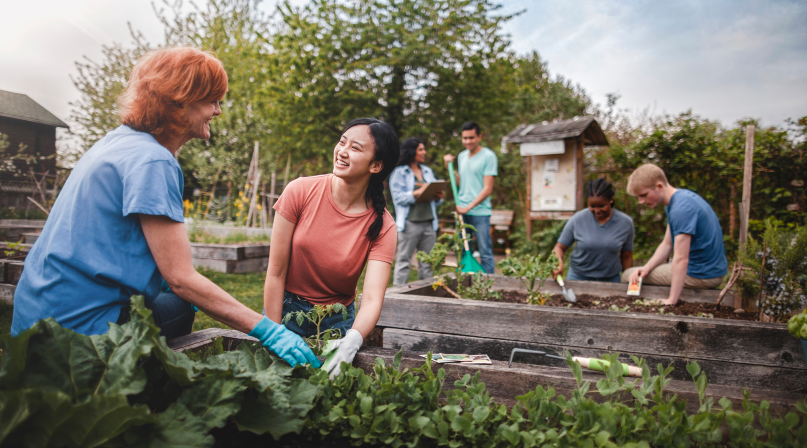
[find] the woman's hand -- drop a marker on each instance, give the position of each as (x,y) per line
(347,349)
(420,190)
(439,195)
(559,250)
(559,270)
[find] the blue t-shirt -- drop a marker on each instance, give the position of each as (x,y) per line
(691,214)
(472,174)
(599,247)
(92,254)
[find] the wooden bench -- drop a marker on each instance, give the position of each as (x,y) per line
(501,221)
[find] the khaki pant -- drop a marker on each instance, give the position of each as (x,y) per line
(662,276)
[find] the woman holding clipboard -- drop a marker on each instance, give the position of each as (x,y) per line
(416,220)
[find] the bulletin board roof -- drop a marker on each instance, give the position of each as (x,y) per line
(586,127)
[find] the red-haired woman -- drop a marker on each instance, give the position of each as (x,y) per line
(116,229)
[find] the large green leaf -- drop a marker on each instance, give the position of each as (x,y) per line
(51,419)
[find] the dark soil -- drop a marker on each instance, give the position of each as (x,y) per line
(619,303)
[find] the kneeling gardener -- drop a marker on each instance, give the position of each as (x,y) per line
(693,236)
(116,230)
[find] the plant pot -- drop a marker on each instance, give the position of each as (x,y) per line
(804,348)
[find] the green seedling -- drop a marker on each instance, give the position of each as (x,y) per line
(480,288)
(447,242)
(532,272)
(316,316)
(12,248)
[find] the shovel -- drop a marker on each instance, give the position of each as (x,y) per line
(468,263)
(567,294)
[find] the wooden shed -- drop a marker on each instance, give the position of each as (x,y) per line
(25,122)
(553,154)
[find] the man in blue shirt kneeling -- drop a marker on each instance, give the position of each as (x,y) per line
(693,236)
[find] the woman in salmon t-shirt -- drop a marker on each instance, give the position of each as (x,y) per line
(326,229)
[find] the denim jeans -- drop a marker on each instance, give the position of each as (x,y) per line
(483,241)
(171,313)
(572,275)
(293,302)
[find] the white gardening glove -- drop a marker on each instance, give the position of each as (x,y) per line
(347,348)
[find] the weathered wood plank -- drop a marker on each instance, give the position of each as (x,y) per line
(600,289)
(31,223)
(217,251)
(7,293)
(680,336)
(256,251)
(30,238)
(200,339)
(718,372)
(232,266)
(13,271)
(504,384)
(3,271)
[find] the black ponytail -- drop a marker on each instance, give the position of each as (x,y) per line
(387,151)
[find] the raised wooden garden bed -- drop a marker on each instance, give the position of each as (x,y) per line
(506,383)
(14,229)
(736,353)
(231,258)
(11,265)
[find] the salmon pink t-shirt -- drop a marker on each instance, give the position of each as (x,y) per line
(329,248)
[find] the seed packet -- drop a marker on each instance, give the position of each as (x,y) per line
(634,289)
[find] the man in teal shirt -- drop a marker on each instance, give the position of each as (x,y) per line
(477,167)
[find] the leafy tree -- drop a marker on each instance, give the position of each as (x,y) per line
(100,84)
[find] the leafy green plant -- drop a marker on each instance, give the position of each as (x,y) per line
(437,256)
(480,288)
(12,248)
(778,267)
(532,271)
(316,316)
(127,388)
(797,325)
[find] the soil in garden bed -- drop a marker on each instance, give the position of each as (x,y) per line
(629,304)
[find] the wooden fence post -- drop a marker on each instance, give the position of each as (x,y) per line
(748,173)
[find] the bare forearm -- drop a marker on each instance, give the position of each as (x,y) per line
(626,260)
(273,291)
(368,315)
(659,256)
(480,197)
(215,302)
(679,274)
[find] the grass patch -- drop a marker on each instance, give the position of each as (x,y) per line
(199,236)
(246,288)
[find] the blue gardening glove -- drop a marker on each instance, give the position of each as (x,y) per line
(284,342)
(346,349)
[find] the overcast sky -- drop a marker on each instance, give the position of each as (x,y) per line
(723,59)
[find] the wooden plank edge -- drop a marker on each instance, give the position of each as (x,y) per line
(719,372)
(504,383)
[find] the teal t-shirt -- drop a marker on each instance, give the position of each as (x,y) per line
(472,174)
(92,254)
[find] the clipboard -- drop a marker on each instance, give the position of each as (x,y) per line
(431,190)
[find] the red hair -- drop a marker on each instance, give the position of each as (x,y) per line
(163,82)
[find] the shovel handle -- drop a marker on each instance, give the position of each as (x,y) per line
(560,281)
(601,365)
(464,239)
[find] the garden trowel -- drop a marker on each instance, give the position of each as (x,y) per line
(567,294)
